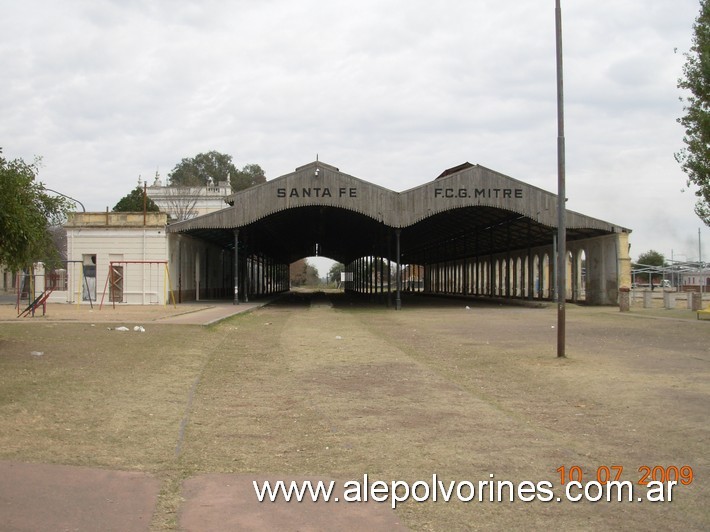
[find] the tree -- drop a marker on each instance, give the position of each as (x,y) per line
(303,273)
(312,278)
(180,204)
(197,171)
(27,213)
(297,272)
(214,167)
(250,175)
(695,157)
(651,258)
(335,270)
(133,202)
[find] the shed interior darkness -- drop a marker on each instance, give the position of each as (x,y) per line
(344,235)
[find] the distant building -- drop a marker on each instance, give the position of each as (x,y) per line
(693,280)
(183,203)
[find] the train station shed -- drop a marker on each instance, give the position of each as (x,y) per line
(469,232)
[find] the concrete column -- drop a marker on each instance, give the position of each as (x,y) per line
(696,301)
(608,268)
(236,267)
(624,299)
(624,260)
(669,300)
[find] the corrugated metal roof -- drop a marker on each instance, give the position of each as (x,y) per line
(470,207)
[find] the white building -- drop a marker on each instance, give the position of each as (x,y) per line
(116,257)
(128,257)
(183,203)
(693,279)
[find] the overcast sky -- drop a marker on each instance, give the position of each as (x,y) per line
(390,91)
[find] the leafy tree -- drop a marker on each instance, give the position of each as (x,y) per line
(27,213)
(297,272)
(651,258)
(250,175)
(695,157)
(133,202)
(303,273)
(335,271)
(197,171)
(312,278)
(654,259)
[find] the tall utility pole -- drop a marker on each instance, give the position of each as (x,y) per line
(561,194)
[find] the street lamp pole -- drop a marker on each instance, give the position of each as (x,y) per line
(561,194)
(69,197)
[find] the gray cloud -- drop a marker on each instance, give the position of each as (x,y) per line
(390,91)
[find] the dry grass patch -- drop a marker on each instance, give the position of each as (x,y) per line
(294,391)
(96,396)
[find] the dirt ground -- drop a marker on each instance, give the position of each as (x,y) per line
(336,387)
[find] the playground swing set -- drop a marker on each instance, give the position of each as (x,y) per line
(33,293)
(118,273)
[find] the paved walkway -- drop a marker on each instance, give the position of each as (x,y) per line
(191,313)
(48,497)
(39,497)
(216,312)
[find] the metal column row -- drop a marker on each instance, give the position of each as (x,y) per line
(372,275)
(255,274)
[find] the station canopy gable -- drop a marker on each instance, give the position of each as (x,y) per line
(468,210)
